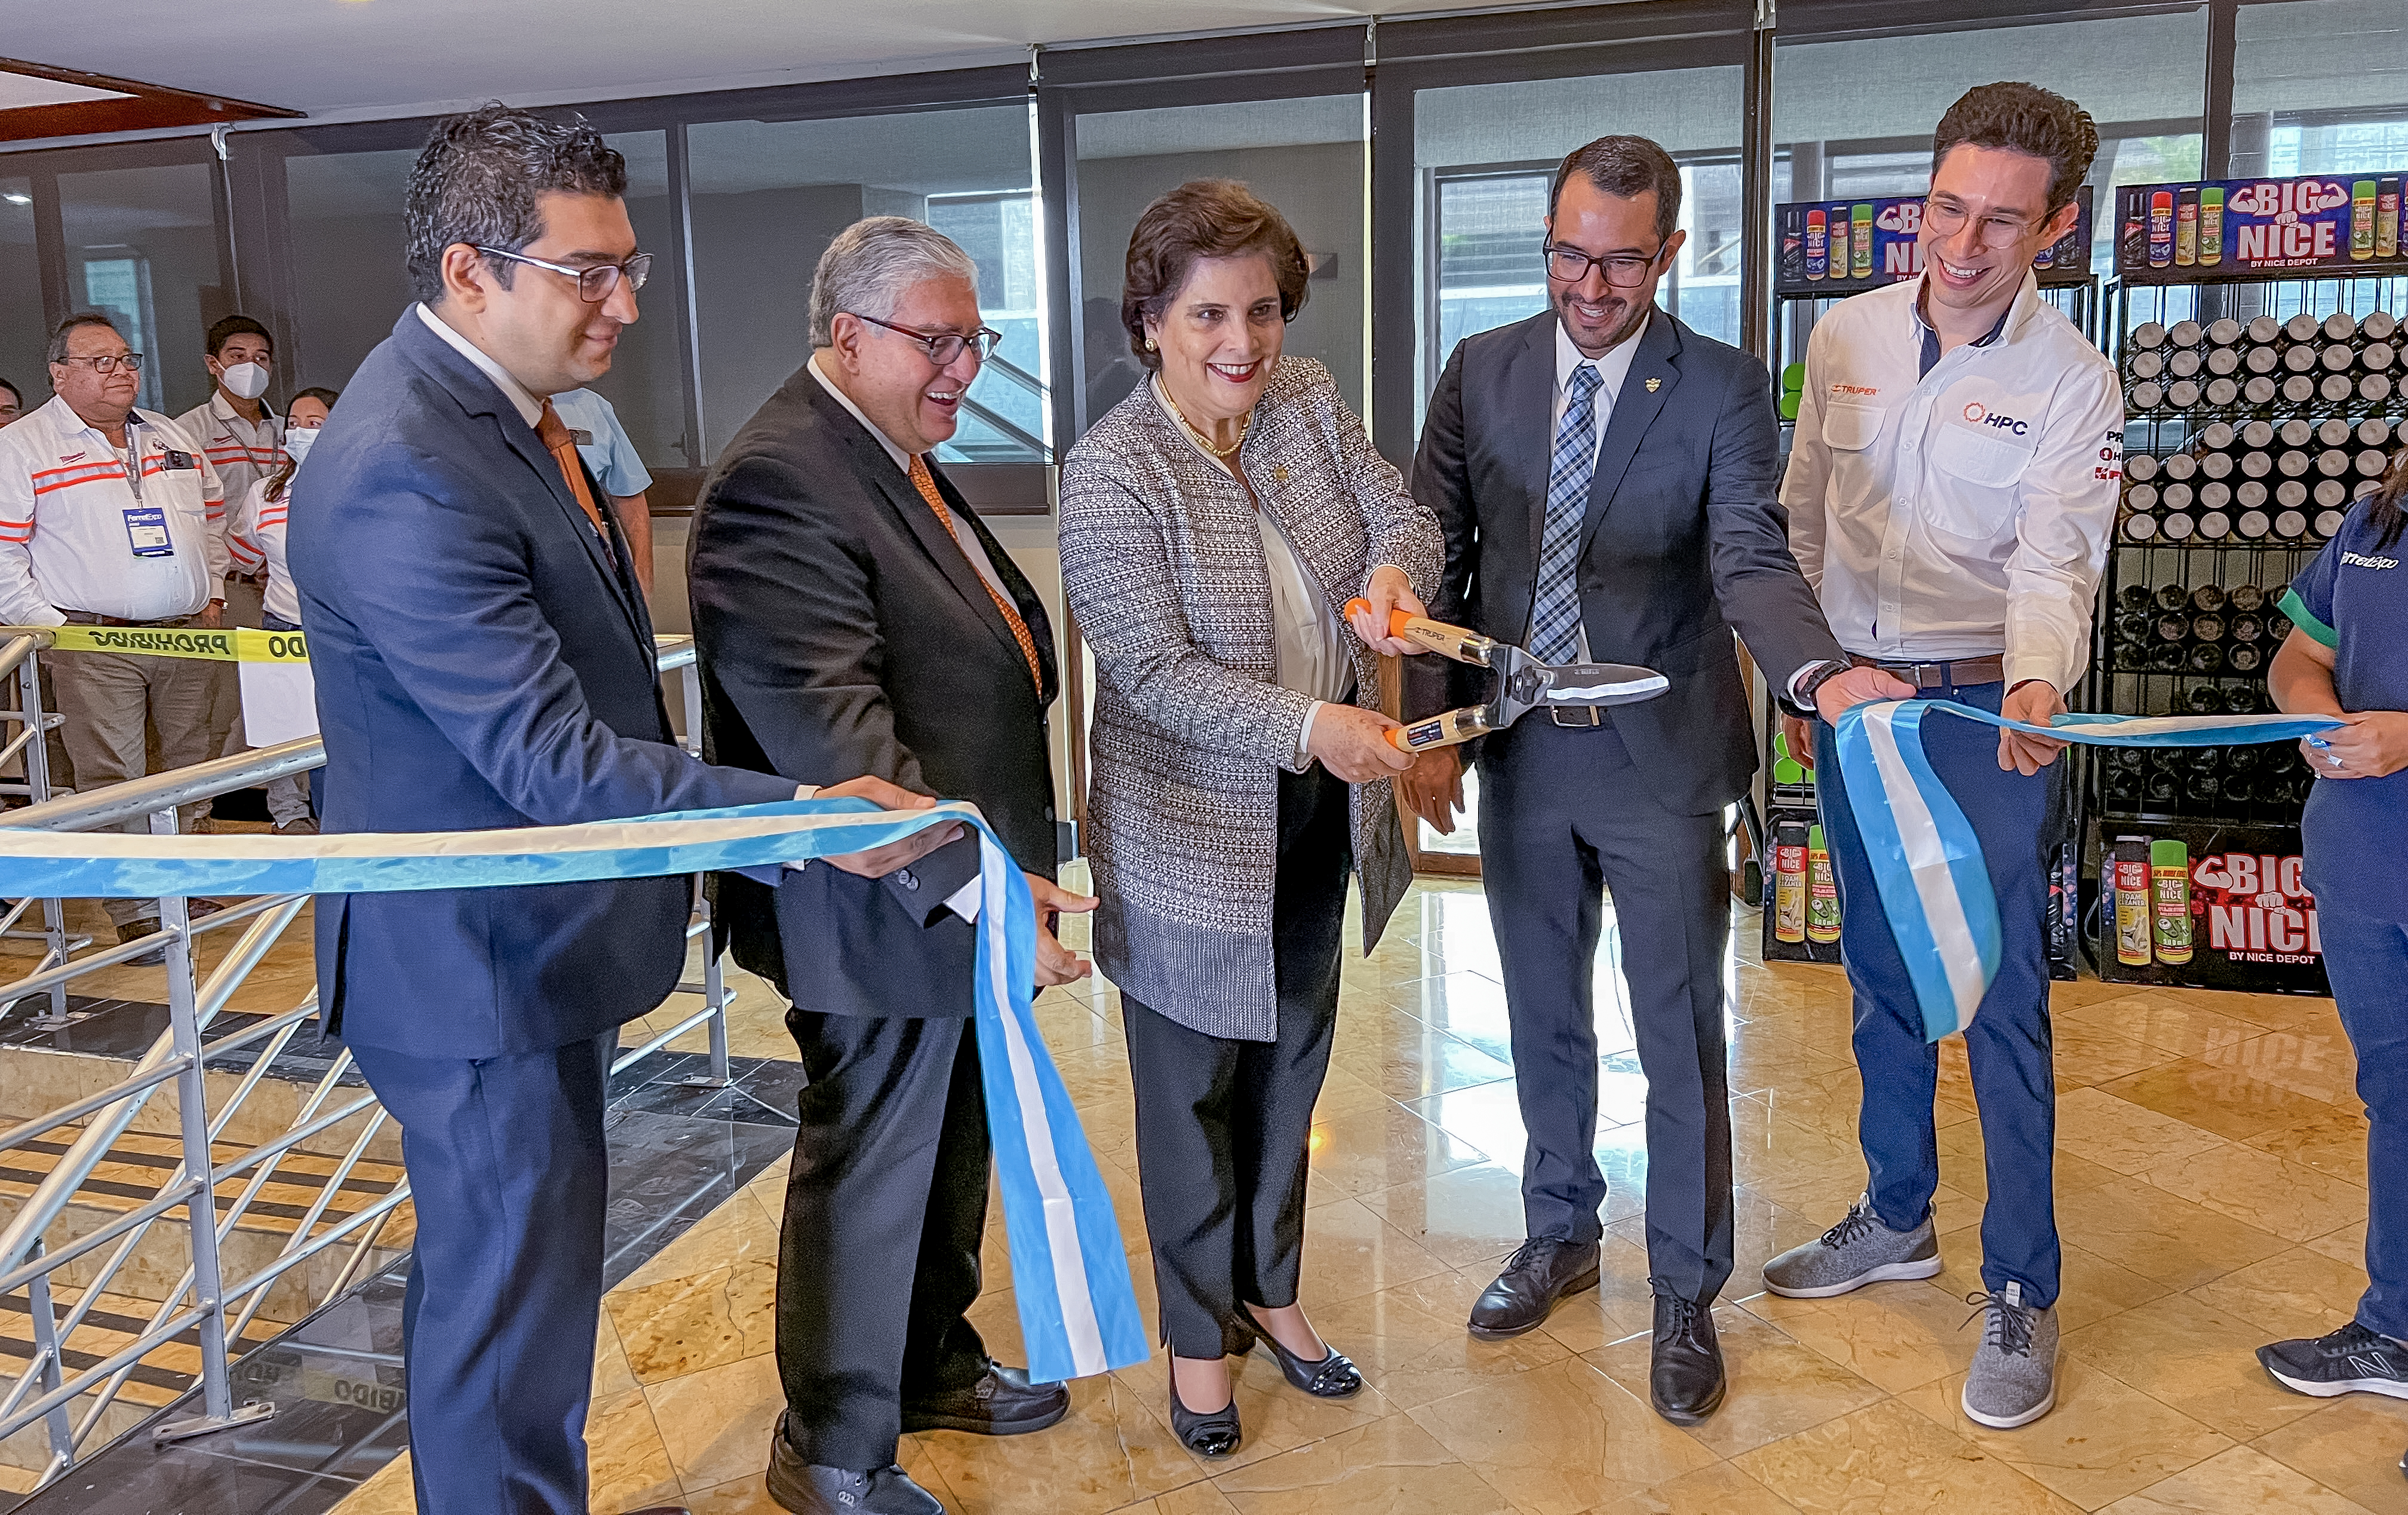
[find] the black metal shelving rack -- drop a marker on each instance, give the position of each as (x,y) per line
(2266,822)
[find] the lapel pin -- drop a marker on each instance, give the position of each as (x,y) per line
(1279,475)
(1654,384)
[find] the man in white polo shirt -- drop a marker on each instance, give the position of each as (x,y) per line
(112,516)
(1951,491)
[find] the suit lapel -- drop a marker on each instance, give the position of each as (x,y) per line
(1650,382)
(1529,386)
(523,441)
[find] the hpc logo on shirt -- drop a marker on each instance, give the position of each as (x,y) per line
(1979,415)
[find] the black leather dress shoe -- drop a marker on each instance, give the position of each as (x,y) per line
(810,1489)
(1002,1404)
(1542,1272)
(1685,1374)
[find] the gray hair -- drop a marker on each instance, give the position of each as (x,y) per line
(58,352)
(872,263)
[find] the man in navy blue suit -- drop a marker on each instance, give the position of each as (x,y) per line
(484,659)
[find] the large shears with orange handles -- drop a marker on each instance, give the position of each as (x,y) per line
(1523,683)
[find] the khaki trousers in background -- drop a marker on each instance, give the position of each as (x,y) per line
(112,702)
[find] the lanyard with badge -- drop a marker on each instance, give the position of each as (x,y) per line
(146,525)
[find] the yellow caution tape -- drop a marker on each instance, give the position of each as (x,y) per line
(234,644)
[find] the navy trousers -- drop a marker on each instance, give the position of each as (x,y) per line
(510,1179)
(2014,1083)
(2367,960)
(1561,821)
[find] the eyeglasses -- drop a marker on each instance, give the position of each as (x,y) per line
(110,361)
(1622,270)
(943,346)
(1948,218)
(595,284)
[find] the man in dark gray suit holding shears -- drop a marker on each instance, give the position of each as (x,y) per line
(1605,478)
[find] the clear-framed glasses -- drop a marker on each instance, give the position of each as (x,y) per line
(595,284)
(1948,218)
(943,346)
(110,361)
(1622,270)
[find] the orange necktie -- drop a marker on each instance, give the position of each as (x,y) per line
(926,483)
(561,443)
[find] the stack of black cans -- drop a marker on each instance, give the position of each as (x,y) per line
(2206,630)
(2263,366)
(2204,781)
(2255,482)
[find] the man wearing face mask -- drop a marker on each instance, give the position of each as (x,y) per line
(1605,478)
(1952,487)
(244,441)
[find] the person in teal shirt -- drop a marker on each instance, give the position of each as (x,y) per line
(2347,657)
(608,453)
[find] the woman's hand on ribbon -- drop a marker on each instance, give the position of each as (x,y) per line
(2032,702)
(2374,744)
(1388,591)
(879,861)
(1056,964)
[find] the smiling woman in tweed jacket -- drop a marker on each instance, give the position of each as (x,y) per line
(1212,524)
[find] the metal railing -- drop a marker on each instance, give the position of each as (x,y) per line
(204,1302)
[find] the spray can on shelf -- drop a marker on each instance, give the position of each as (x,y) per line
(2386,217)
(2361,219)
(1822,890)
(2129,861)
(2170,880)
(2161,230)
(2186,228)
(2211,230)
(1818,244)
(1860,240)
(1789,882)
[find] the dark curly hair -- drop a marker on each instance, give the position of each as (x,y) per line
(2024,118)
(477,180)
(1204,218)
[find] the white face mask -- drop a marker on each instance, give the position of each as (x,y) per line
(244,381)
(297,440)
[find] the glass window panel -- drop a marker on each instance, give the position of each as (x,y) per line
(348,241)
(142,245)
(23,330)
(767,198)
(1306,156)
(2142,79)
(1486,156)
(2320,87)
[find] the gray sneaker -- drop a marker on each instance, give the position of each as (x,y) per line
(1859,1250)
(2013,1378)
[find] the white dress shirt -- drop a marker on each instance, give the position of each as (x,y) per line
(241,452)
(70,507)
(1960,513)
(1613,368)
(1309,647)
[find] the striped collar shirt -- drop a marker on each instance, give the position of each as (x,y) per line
(242,454)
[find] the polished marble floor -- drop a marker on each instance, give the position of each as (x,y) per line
(2211,1194)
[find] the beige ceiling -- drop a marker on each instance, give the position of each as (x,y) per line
(349,58)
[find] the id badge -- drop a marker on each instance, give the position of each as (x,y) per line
(146,528)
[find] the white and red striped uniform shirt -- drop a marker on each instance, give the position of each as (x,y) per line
(64,538)
(255,538)
(241,452)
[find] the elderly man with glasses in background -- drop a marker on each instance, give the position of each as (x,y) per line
(855,615)
(112,515)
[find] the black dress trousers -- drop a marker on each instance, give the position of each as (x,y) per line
(878,1258)
(1223,1125)
(1560,821)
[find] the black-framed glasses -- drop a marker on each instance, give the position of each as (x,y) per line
(595,284)
(943,346)
(1622,270)
(110,361)
(1948,218)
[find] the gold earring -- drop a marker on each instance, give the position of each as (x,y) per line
(1149,344)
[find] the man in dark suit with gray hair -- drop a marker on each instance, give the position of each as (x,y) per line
(1605,478)
(855,615)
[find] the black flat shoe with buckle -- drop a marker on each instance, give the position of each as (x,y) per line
(1206,1433)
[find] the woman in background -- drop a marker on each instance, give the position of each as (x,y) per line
(255,538)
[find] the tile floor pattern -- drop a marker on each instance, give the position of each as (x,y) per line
(2210,1191)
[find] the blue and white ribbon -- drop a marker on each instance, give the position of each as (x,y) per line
(1927,865)
(1078,1310)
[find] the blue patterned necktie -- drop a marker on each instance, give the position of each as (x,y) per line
(1556,616)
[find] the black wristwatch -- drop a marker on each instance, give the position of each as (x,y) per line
(1804,706)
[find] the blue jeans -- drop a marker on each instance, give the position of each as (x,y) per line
(2367,960)
(2007,1043)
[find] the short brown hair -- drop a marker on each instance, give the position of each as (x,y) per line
(1204,218)
(1626,168)
(2026,119)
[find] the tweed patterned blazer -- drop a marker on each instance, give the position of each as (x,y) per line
(1162,564)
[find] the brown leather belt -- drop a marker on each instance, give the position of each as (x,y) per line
(1964,670)
(88,618)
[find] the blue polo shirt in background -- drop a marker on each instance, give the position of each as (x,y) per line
(603,443)
(2354,598)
